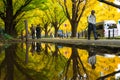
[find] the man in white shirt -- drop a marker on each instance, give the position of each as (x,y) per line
(91,25)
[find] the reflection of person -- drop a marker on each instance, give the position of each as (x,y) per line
(91,25)
(38,47)
(32,50)
(92,57)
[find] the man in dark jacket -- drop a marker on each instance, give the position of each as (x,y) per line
(38,32)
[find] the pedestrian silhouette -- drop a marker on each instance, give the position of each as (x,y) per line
(32,31)
(38,32)
(38,48)
(32,50)
(92,57)
(92,25)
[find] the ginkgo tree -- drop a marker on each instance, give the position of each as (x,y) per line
(45,23)
(102,12)
(40,17)
(56,15)
(11,12)
(73,10)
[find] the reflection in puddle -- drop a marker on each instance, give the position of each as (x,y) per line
(43,61)
(92,57)
(109,55)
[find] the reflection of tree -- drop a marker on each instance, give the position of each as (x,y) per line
(3,62)
(77,65)
(27,48)
(99,49)
(108,75)
(55,53)
(17,64)
(53,61)
(10,61)
(46,49)
(9,58)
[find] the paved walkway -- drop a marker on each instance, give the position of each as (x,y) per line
(100,42)
(75,41)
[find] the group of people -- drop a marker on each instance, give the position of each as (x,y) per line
(35,47)
(36,31)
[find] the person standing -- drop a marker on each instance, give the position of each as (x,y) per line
(32,31)
(38,32)
(91,25)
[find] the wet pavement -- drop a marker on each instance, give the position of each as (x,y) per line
(60,59)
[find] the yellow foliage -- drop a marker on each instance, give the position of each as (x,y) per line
(103,12)
(104,65)
(66,51)
(67,27)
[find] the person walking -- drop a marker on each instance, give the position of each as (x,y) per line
(91,25)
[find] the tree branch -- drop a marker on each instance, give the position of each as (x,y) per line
(111,74)
(110,3)
(21,9)
(82,11)
(16,21)
(67,12)
(2,16)
(77,10)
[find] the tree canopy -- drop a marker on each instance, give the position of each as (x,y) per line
(11,12)
(14,12)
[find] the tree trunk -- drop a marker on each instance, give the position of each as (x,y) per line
(46,33)
(55,25)
(56,30)
(9,26)
(9,55)
(74,28)
(10,29)
(46,30)
(75,63)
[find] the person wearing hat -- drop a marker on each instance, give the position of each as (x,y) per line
(91,25)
